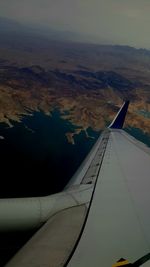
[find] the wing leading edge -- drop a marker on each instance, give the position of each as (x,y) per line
(107,213)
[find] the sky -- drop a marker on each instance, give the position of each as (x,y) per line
(125,22)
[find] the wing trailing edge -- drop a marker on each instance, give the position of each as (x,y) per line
(118,121)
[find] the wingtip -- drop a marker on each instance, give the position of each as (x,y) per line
(118,121)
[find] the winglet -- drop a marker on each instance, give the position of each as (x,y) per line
(118,121)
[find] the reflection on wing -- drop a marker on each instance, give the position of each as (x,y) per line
(103,214)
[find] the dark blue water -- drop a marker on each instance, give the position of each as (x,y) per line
(36,158)
(139,135)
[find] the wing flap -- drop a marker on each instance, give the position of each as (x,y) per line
(53,243)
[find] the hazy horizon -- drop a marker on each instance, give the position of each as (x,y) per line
(123,22)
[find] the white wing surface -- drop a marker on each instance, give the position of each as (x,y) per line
(102,218)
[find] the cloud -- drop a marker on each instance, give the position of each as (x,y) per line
(116,21)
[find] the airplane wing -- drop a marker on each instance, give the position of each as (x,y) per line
(102,218)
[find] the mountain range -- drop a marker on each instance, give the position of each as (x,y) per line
(86,82)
